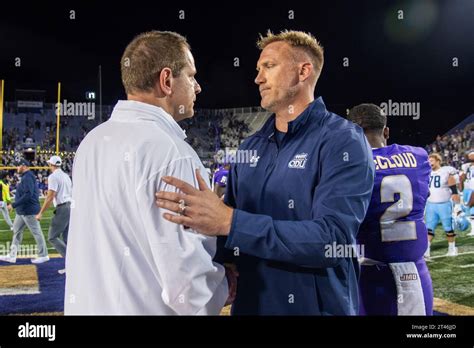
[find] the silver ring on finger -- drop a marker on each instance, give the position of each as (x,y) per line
(182,206)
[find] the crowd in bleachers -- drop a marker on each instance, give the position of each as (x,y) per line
(199,132)
(233,133)
(9,159)
(38,128)
(211,132)
(15,139)
(454,147)
(207,132)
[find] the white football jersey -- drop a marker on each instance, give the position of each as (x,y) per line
(468,169)
(439,188)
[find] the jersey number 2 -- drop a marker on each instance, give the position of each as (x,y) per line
(391,229)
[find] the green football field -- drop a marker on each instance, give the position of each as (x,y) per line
(6,234)
(453,277)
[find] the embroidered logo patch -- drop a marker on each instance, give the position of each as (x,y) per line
(408,277)
(299,161)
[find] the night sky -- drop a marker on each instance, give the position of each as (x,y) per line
(403,60)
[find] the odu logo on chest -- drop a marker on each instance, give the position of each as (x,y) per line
(299,161)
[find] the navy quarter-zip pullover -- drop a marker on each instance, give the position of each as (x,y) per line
(27,195)
(296,199)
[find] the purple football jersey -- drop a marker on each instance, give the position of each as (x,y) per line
(394,229)
(220,177)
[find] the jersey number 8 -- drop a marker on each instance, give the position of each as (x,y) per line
(436,180)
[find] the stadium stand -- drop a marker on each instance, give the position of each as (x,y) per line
(208,132)
(454,146)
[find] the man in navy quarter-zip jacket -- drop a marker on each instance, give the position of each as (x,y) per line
(292,212)
(27,205)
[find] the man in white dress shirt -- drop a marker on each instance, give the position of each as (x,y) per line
(123,257)
(59,194)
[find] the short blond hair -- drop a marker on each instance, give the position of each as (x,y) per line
(436,156)
(149,53)
(299,39)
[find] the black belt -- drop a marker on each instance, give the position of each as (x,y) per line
(63,204)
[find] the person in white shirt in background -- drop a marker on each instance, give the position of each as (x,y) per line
(443,193)
(123,257)
(59,193)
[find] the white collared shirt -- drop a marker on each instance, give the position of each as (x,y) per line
(123,257)
(60,182)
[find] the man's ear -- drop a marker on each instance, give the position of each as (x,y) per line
(164,82)
(386,133)
(306,70)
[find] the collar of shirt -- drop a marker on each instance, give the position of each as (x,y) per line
(313,112)
(131,110)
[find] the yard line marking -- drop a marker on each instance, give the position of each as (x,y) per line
(467,266)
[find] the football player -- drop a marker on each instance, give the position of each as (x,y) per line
(220,179)
(440,206)
(394,278)
(467,186)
